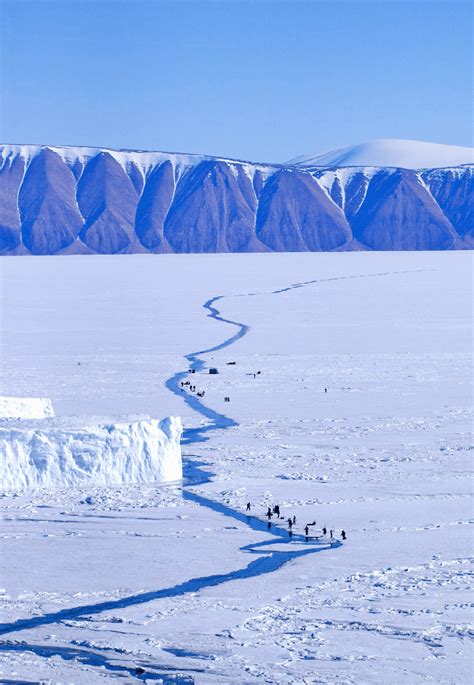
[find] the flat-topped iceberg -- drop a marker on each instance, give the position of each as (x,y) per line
(51,453)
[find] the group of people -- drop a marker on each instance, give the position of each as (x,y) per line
(291,521)
(199,393)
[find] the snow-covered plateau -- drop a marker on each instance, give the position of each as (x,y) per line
(349,405)
(54,454)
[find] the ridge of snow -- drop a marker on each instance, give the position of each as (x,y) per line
(144,160)
(408,154)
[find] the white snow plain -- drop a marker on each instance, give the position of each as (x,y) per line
(176,584)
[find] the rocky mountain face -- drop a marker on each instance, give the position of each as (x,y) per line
(87,201)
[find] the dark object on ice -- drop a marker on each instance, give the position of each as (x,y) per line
(226,399)
(139,670)
(269,513)
(294,520)
(213,370)
(290,532)
(78,363)
(276,509)
(324,530)
(325,389)
(201,393)
(258,373)
(248,507)
(330,533)
(343,535)
(306,530)
(290,523)
(269,524)
(231,363)
(89,500)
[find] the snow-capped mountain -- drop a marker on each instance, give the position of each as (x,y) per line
(65,200)
(405,154)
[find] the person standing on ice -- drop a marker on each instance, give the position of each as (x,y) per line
(324,530)
(269,513)
(306,530)
(290,524)
(343,535)
(276,509)
(248,506)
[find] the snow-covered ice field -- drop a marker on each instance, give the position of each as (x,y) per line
(143,583)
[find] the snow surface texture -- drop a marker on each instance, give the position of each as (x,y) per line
(65,200)
(406,154)
(42,456)
(150,583)
(25,408)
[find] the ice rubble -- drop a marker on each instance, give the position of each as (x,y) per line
(26,408)
(49,453)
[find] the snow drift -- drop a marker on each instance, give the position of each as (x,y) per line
(39,454)
(26,408)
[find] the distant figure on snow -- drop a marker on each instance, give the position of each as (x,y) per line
(343,535)
(290,523)
(330,533)
(324,530)
(248,506)
(294,520)
(306,530)
(269,513)
(325,389)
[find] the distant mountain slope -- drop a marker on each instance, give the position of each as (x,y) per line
(405,154)
(64,200)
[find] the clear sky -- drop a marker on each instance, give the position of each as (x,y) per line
(264,80)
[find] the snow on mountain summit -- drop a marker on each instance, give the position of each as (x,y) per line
(407,154)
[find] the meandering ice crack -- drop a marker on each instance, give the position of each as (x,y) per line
(267,561)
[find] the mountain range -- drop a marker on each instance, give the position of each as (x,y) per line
(382,195)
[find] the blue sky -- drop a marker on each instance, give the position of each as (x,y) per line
(263,80)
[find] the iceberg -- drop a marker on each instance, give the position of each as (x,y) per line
(52,454)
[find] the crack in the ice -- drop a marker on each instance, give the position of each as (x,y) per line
(270,562)
(141,671)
